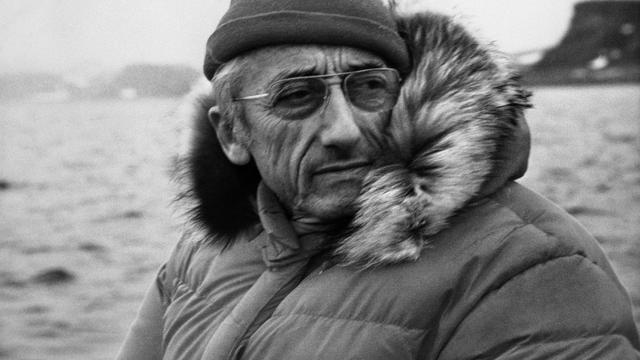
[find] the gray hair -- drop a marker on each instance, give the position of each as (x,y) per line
(226,83)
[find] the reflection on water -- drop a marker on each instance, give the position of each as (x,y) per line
(85,221)
(85,216)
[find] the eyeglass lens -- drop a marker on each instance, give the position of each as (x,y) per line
(369,90)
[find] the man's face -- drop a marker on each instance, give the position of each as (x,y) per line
(315,164)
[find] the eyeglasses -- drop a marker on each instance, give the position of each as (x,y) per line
(371,90)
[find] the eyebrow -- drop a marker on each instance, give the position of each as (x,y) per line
(296,72)
(364,65)
(313,70)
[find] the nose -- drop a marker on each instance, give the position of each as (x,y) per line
(339,128)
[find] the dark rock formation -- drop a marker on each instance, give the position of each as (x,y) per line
(53,276)
(601,45)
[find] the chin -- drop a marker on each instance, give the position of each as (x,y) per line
(335,204)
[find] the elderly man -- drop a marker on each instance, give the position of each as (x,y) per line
(351,176)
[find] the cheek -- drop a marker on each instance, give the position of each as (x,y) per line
(275,144)
(268,140)
(275,147)
(275,141)
(373,127)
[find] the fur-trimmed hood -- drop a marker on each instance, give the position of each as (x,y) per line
(457,133)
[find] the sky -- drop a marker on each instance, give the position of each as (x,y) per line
(75,36)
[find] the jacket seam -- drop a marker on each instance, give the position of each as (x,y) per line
(380,323)
(541,262)
(559,340)
(530,268)
(523,223)
(195,292)
(497,288)
(182,268)
(526,270)
(546,233)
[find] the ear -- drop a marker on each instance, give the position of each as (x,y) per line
(231,144)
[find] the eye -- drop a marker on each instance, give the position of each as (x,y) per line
(298,98)
(373,90)
(368,83)
(292,97)
(374,84)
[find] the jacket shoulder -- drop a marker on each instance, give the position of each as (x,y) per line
(178,268)
(565,308)
(199,265)
(556,233)
(518,227)
(526,269)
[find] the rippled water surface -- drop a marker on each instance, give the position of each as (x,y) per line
(85,215)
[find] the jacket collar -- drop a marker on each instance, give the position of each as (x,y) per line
(285,241)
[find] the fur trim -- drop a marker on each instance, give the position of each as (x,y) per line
(216,193)
(456,109)
(457,133)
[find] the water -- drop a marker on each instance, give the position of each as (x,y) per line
(87,193)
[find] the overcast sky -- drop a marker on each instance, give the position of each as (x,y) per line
(88,35)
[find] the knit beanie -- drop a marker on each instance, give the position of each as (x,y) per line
(251,24)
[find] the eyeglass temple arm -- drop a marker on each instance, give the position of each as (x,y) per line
(251,97)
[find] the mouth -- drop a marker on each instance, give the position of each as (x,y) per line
(343,166)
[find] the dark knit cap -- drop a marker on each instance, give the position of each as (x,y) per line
(251,24)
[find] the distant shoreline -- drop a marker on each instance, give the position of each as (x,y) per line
(580,76)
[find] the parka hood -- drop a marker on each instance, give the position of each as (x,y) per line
(457,134)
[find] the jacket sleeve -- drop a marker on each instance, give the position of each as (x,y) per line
(144,339)
(564,308)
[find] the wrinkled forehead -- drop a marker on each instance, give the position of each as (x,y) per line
(269,64)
